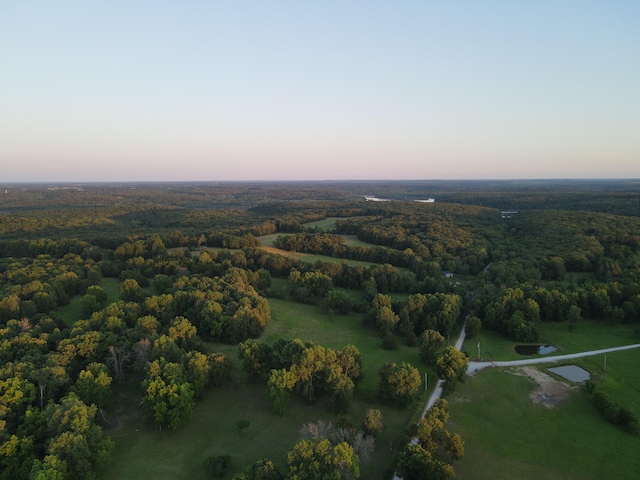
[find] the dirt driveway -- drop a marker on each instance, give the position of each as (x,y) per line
(549,391)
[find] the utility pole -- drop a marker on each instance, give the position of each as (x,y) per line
(426,383)
(478,350)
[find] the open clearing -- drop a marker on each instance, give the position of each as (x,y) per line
(142,452)
(549,392)
(510,431)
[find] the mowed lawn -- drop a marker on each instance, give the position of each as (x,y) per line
(142,452)
(507,436)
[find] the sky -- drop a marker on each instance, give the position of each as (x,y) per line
(318,90)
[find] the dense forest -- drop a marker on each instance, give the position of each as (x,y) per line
(105,285)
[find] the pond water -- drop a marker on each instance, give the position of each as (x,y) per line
(573,373)
(535,349)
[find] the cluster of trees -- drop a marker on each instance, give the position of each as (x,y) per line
(398,383)
(312,371)
(455,237)
(513,314)
(427,458)
(325,451)
(38,286)
(171,389)
(56,377)
(48,416)
(411,318)
(612,410)
(334,245)
(56,380)
(515,311)
(309,287)
(309,460)
(437,311)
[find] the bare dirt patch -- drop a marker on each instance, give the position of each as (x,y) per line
(549,392)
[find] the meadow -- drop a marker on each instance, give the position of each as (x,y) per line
(142,452)
(73,312)
(587,335)
(508,436)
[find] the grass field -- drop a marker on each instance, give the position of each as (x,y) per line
(144,453)
(508,436)
(325,225)
(313,258)
(73,312)
(589,335)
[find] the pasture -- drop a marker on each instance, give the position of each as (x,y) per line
(142,452)
(508,436)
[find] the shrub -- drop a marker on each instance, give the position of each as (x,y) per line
(217,465)
(389,342)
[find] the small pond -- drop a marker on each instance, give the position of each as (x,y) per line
(535,349)
(573,373)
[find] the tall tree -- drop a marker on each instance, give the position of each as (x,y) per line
(398,382)
(451,367)
(430,342)
(320,460)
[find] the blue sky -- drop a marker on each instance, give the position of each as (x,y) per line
(291,90)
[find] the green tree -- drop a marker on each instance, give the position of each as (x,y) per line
(263,469)
(473,326)
(130,291)
(162,284)
(255,357)
(337,301)
(242,424)
(76,439)
(99,294)
(93,385)
(183,333)
(220,369)
(430,428)
(398,383)
(217,465)
(198,371)
(280,383)
(168,398)
(320,460)
(429,344)
(372,424)
(89,305)
(454,446)
(385,318)
(451,367)
(15,396)
(51,468)
(416,463)
(17,455)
